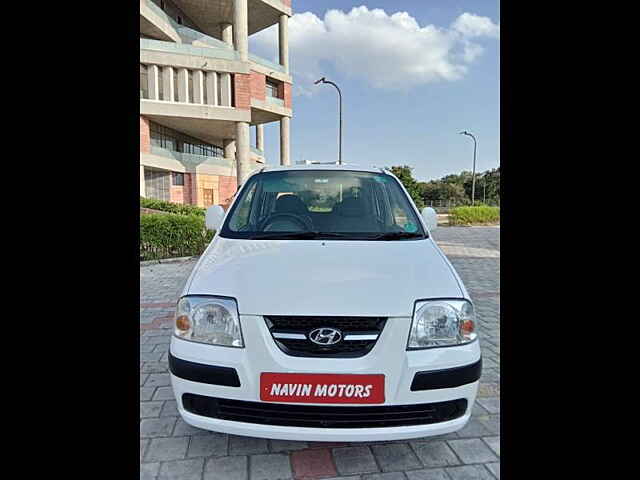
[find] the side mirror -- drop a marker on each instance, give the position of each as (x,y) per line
(213,217)
(430,218)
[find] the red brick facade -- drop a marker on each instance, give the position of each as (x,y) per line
(242,87)
(258,86)
(287,95)
(145,136)
(284,92)
(182,193)
(227,187)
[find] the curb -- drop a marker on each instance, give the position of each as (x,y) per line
(167,260)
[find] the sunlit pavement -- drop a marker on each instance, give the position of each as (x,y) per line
(169,448)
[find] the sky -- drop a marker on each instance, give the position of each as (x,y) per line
(413,73)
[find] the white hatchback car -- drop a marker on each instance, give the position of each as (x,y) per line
(323,310)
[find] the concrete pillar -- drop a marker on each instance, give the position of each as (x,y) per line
(142,189)
(226,30)
(260,137)
(183,85)
(198,87)
(241,29)
(283,29)
(242,151)
(225,89)
(211,86)
(285,124)
(229,148)
(152,76)
(167,84)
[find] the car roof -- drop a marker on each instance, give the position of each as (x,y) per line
(326,166)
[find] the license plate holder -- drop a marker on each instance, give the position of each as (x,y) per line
(322,388)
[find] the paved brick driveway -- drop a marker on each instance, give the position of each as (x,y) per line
(171,449)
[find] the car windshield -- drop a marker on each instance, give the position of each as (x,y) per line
(315,204)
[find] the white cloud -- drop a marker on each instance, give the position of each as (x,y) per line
(471,25)
(387,51)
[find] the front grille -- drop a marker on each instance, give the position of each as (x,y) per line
(322,416)
(301,326)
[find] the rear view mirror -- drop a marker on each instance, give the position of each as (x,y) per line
(430,218)
(213,217)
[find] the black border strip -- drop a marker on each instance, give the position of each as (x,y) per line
(447,378)
(198,372)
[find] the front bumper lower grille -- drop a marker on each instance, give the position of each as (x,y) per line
(359,335)
(314,416)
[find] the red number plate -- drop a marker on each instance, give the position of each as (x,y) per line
(321,388)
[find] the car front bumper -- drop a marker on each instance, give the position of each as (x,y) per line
(437,369)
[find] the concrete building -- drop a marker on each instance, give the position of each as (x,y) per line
(201,92)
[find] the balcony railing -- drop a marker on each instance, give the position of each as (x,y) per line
(190,158)
(275,101)
(266,63)
(225,52)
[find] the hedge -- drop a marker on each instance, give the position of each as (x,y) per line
(172,207)
(474,215)
(167,236)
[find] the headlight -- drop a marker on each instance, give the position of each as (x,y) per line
(209,320)
(439,323)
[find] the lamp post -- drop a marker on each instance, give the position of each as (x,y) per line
(324,80)
(473,178)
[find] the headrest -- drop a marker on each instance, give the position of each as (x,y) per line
(351,207)
(290,203)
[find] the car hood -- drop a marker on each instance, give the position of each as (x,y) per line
(324,278)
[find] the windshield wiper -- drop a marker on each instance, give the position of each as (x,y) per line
(308,235)
(397,236)
(284,235)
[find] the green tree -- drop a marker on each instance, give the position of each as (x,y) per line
(413,187)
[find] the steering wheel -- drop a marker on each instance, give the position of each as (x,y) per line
(304,222)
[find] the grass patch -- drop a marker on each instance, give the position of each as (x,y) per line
(476,215)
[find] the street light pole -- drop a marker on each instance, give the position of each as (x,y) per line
(473,180)
(324,80)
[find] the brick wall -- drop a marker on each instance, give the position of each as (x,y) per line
(287,95)
(242,86)
(258,86)
(145,136)
(227,187)
(177,194)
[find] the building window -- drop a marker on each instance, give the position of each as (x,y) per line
(272,89)
(144,85)
(156,184)
(162,137)
(178,179)
(179,19)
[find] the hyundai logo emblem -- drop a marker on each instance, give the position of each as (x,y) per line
(325,336)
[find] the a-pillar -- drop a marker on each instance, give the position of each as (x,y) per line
(242,152)
(285,124)
(241,29)
(283,29)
